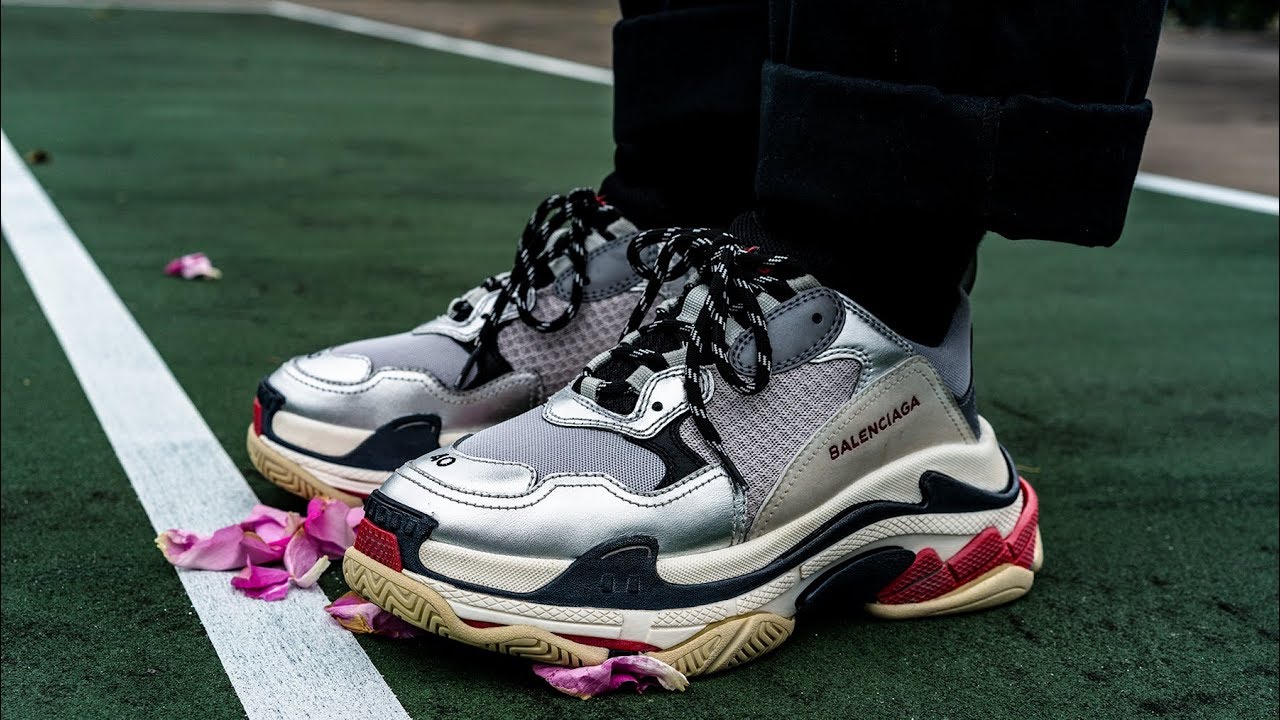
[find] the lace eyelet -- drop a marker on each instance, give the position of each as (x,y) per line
(657,407)
(817,318)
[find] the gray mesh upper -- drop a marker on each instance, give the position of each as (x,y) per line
(558,357)
(762,432)
(551,449)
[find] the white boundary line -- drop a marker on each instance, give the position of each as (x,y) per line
(444,43)
(285,659)
(1215,194)
(1190,189)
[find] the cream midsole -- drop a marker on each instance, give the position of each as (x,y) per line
(342,477)
(667,628)
(333,440)
(320,437)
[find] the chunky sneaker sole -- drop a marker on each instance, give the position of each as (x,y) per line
(893,582)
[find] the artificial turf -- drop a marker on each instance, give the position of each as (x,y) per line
(349,187)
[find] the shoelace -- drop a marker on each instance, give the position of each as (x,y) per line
(733,277)
(559,227)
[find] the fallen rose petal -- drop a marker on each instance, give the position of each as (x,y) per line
(189,267)
(354,516)
(312,576)
(327,524)
(272,525)
(592,680)
(220,551)
(301,555)
(260,552)
(262,583)
(361,616)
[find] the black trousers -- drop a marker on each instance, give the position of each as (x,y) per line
(874,139)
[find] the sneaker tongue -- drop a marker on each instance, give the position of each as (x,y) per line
(685,310)
(619,230)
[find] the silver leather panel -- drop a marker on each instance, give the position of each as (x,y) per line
(390,394)
(567,515)
(455,469)
(799,329)
(469,329)
(608,272)
(662,399)
(867,340)
(326,366)
(907,410)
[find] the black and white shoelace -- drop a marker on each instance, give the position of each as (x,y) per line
(695,330)
(559,227)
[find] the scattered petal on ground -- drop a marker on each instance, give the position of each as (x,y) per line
(220,551)
(272,525)
(361,616)
(327,523)
(190,267)
(259,551)
(301,558)
(640,671)
(262,583)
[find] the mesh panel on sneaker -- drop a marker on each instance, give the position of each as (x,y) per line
(558,357)
(551,449)
(436,354)
(763,432)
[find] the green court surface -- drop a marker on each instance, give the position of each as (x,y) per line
(350,187)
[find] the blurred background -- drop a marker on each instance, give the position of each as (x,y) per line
(1215,84)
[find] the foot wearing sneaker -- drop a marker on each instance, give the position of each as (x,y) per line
(765,447)
(338,421)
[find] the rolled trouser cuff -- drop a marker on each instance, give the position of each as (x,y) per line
(1025,167)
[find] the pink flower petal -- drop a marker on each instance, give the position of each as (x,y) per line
(312,576)
(220,551)
(641,671)
(301,558)
(192,266)
(326,523)
(258,551)
(275,527)
(361,616)
(262,583)
(354,516)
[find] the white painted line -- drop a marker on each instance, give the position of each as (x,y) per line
(1216,194)
(444,43)
(285,659)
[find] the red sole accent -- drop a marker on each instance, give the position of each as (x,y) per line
(930,577)
(608,643)
(257,417)
(378,544)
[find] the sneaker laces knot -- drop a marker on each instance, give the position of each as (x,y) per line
(558,228)
(705,322)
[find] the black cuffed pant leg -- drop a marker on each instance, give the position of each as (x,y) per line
(686,110)
(893,133)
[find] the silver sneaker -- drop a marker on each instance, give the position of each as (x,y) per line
(338,421)
(764,447)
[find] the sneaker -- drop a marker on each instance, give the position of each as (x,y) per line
(700,485)
(336,422)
